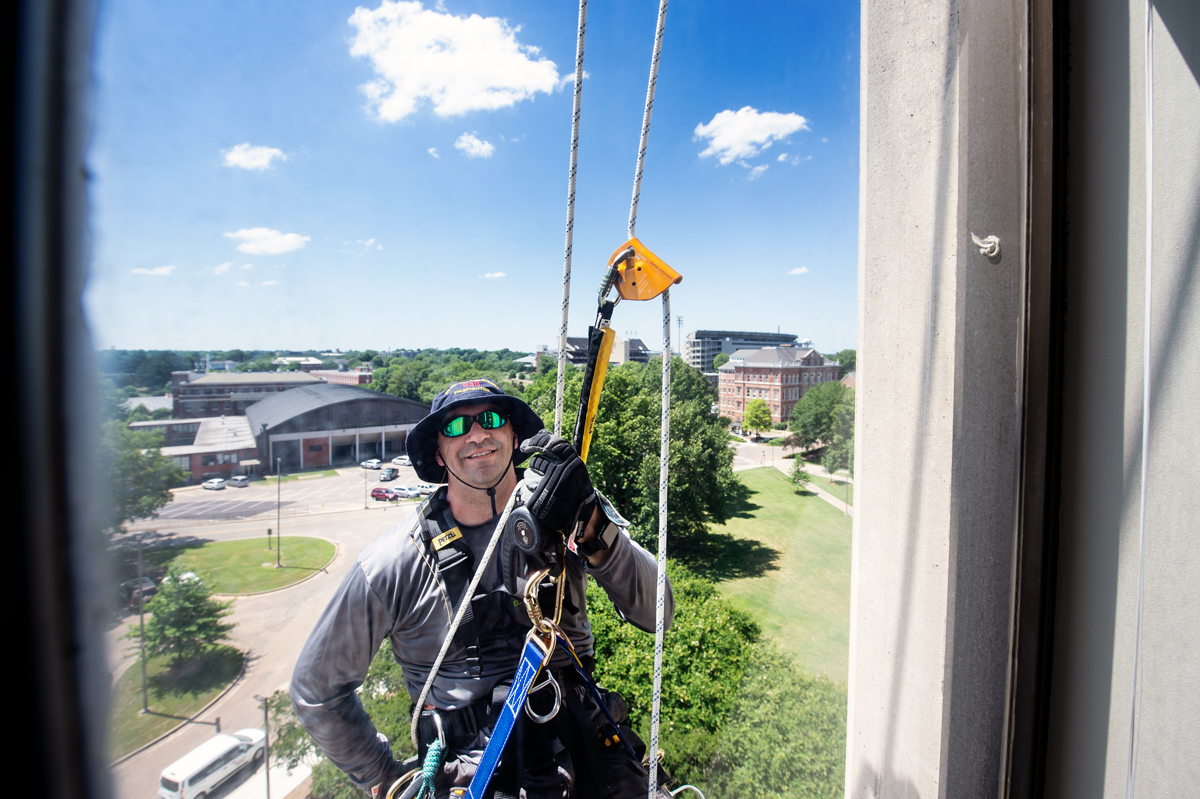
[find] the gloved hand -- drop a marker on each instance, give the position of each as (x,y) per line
(565,492)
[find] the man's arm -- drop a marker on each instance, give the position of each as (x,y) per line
(333,663)
(628,574)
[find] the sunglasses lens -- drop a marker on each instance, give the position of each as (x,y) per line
(455,427)
(490,420)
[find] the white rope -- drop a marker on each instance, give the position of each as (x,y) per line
(1136,700)
(661,588)
(641,159)
(660,591)
(464,603)
(566,290)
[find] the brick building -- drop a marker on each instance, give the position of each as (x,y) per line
(196,395)
(358,376)
(216,447)
(778,375)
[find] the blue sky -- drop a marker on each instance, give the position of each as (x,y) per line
(313,175)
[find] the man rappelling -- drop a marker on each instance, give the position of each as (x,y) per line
(567,737)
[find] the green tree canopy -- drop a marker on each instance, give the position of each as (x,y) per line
(846,360)
(720,360)
(757,416)
(184,618)
(815,416)
(139,476)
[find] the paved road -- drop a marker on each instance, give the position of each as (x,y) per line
(754,456)
(271,629)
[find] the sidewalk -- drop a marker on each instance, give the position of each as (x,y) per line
(282,783)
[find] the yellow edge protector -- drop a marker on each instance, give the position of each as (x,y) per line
(645,276)
(606,342)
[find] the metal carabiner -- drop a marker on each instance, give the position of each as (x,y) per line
(610,277)
(529,711)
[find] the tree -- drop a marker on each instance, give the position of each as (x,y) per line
(720,360)
(139,476)
(840,452)
(846,360)
(799,475)
(758,416)
(184,619)
(814,418)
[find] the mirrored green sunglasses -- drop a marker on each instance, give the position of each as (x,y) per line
(461,425)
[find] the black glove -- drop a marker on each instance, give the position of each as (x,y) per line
(565,492)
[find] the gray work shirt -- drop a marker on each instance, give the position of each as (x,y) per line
(392,591)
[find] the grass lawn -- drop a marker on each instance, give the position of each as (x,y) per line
(236,567)
(175,694)
(835,486)
(271,480)
(802,599)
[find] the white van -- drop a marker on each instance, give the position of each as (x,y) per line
(238,481)
(201,770)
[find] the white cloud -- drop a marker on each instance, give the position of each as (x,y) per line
(158,271)
(456,64)
(758,170)
(244,156)
(799,270)
(243,283)
(494,274)
(245,266)
(433,151)
(782,157)
(269,283)
(474,147)
(734,135)
(223,268)
(264,241)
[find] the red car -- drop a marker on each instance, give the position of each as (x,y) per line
(383,494)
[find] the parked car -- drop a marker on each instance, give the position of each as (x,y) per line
(390,473)
(238,481)
(374,463)
(136,590)
(426,489)
(383,494)
(402,460)
(406,492)
(200,771)
(215,484)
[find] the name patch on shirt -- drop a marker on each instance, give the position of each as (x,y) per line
(448,537)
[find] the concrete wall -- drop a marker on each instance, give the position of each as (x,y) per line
(1097,646)
(939,336)
(943,155)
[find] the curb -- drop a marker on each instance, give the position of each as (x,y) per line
(337,550)
(176,728)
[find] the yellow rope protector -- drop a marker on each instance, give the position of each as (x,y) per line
(645,275)
(606,345)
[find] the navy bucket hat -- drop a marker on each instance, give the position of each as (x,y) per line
(422,442)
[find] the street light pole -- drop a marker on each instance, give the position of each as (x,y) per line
(278,529)
(266,743)
(142,624)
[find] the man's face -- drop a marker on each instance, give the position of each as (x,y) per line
(479,456)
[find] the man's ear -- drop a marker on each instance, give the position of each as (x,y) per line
(437,456)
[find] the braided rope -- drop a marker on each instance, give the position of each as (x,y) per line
(645,139)
(430,769)
(661,587)
(566,290)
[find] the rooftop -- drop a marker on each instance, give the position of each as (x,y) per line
(216,434)
(239,378)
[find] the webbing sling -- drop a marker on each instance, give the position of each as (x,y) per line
(455,565)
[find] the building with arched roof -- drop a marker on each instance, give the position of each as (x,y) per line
(326,425)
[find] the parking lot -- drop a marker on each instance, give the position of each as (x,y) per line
(306,494)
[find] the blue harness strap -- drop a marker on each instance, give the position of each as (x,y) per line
(532,660)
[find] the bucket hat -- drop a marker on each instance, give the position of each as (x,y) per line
(422,442)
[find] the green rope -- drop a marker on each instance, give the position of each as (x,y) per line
(433,764)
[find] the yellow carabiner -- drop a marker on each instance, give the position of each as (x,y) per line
(644,275)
